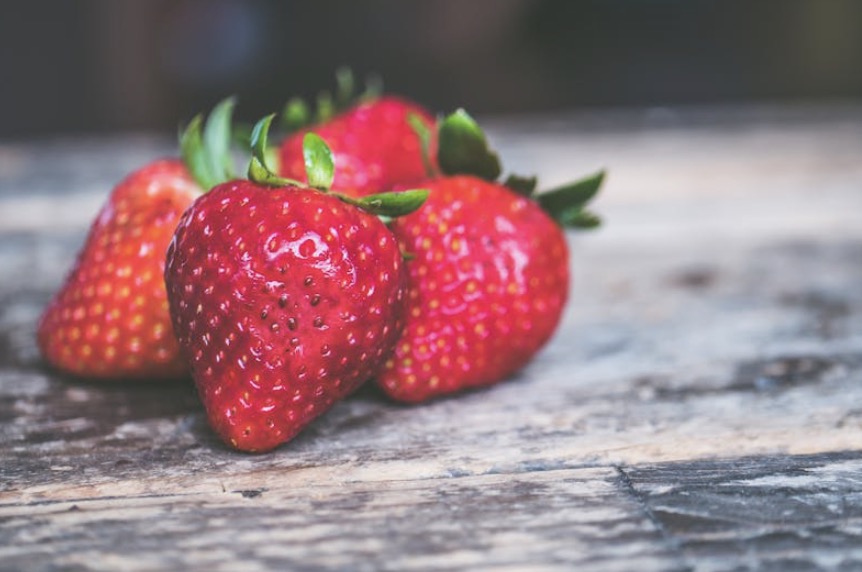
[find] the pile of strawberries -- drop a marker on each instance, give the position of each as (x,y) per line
(283,292)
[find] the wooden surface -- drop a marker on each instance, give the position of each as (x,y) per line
(699,409)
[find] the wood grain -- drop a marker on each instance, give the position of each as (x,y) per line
(779,513)
(559,518)
(699,409)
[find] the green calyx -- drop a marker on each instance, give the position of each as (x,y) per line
(298,114)
(320,172)
(525,186)
(206,148)
(463,149)
(567,203)
(392,204)
(319,162)
(259,169)
(417,124)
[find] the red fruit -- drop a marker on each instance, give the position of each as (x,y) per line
(375,147)
(284,300)
(488,283)
(490,276)
(110,318)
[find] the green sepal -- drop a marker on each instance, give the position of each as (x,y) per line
(296,114)
(580,219)
(273,160)
(391,204)
(319,162)
(566,204)
(326,108)
(258,173)
(320,171)
(344,86)
(463,148)
(241,134)
(259,136)
(424,134)
(191,150)
(373,87)
(259,169)
(524,186)
(205,149)
(217,139)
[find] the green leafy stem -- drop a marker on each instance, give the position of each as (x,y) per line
(463,148)
(320,172)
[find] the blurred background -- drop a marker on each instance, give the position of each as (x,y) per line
(105,66)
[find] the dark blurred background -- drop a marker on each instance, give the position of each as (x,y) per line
(108,65)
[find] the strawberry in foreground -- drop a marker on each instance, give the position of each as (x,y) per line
(110,318)
(373,142)
(489,276)
(284,298)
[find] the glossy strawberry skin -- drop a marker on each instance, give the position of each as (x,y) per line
(488,283)
(284,300)
(375,147)
(110,318)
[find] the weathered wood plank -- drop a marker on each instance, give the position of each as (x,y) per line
(778,513)
(552,520)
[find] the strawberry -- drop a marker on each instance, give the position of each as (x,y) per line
(109,320)
(375,145)
(284,298)
(489,278)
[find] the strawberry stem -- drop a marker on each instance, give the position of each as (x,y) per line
(320,171)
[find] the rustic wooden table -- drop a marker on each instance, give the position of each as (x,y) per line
(699,409)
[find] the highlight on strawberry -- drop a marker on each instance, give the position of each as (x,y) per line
(373,142)
(489,275)
(109,320)
(285,296)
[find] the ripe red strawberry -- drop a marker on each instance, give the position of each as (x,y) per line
(489,278)
(284,299)
(374,145)
(488,283)
(110,318)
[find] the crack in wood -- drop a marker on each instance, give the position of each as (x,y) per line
(629,489)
